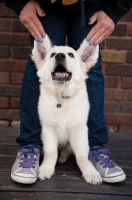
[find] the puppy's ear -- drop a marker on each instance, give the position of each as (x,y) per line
(88,53)
(40,50)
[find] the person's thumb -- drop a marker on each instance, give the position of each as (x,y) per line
(93,18)
(39,10)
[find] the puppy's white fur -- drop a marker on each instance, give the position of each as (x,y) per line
(66,125)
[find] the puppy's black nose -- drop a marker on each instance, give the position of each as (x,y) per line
(60,56)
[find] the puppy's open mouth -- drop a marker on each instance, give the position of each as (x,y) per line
(61,74)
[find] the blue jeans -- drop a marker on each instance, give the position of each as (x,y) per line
(57,25)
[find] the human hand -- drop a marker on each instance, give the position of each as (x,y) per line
(102,29)
(28,17)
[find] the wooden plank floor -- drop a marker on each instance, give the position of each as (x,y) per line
(67,183)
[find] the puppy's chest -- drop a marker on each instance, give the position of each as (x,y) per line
(56,109)
(50,113)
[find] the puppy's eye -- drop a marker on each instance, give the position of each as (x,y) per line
(71,55)
(52,55)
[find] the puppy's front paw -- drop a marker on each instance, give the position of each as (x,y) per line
(93,177)
(45,173)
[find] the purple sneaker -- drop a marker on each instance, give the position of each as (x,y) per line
(110,172)
(26,166)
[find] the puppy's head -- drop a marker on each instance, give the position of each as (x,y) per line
(62,59)
(62,64)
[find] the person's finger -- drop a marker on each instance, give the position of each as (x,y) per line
(92,19)
(103,28)
(99,36)
(39,26)
(33,25)
(37,23)
(39,10)
(93,31)
(29,18)
(34,31)
(29,25)
(30,30)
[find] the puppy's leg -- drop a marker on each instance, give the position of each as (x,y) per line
(65,153)
(47,167)
(79,143)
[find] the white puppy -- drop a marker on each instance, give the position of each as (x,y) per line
(63,104)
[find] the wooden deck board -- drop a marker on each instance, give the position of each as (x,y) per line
(56,196)
(67,184)
(72,186)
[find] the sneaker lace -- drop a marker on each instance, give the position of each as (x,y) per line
(102,156)
(29,157)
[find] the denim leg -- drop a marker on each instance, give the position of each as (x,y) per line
(55,25)
(30,128)
(98,134)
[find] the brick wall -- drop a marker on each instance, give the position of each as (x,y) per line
(117,69)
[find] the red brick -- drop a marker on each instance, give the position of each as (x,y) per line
(125,128)
(130,30)
(112,128)
(126,107)
(113,56)
(12,65)
(102,45)
(4,11)
(16,25)
(118,94)
(126,82)
(111,106)
(4,77)
(119,44)
(11,13)
(21,52)
(16,78)
(17,66)
(112,82)
(103,68)
(10,90)
(127,16)
(15,123)
(118,118)
(9,114)
(15,102)
(14,39)
(129,57)
(120,30)
(4,51)
(4,24)
(118,70)
(4,102)
(4,123)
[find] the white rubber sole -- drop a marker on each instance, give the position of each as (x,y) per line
(23,180)
(114,179)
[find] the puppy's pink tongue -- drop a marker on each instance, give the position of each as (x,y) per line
(61,74)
